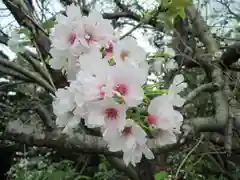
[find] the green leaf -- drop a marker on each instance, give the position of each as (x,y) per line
(165,3)
(161,54)
(181,13)
(25,31)
(161,175)
(82,178)
(25,43)
(175,3)
(180,3)
(174,8)
(157,92)
(48,24)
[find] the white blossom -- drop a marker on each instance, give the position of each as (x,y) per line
(157,64)
(169,51)
(127,84)
(68,122)
(108,114)
(176,87)
(95,30)
(162,114)
(93,63)
(59,60)
(64,101)
(164,137)
(90,88)
(127,139)
(126,51)
(106,77)
(171,64)
(73,14)
(134,155)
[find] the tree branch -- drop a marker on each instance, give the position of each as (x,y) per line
(28,134)
(34,77)
(212,68)
(210,87)
(120,166)
(36,65)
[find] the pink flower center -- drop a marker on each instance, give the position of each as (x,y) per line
(124,54)
(89,39)
(108,50)
(151,119)
(111,113)
(109,47)
(127,131)
(122,89)
(71,38)
(101,92)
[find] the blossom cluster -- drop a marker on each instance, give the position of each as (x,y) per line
(106,77)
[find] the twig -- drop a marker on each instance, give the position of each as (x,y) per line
(46,73)
(228,136)
(190,152)
(45,115)
(84,165)
(35,64)
(14,74)
(129,32)
(29,18)
(144,21)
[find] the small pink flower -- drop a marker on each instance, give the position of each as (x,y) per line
(71,37)
(108,50)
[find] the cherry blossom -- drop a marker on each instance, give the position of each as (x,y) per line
(157,65)
(59,60)
(108,50)
(90,88)
(73,14)
(164,137)
(176,87)
(68,121)
(134,155)
(64,38)
(128,138)
(101,92)
(93,63)
(64,101)
(130,89)
(126,51)
(162,114)
(65,31)
(72,124)
(171,65)
(65,48)
(95,30)
(169,51)
(67,26)
(68,65)
(108,114)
